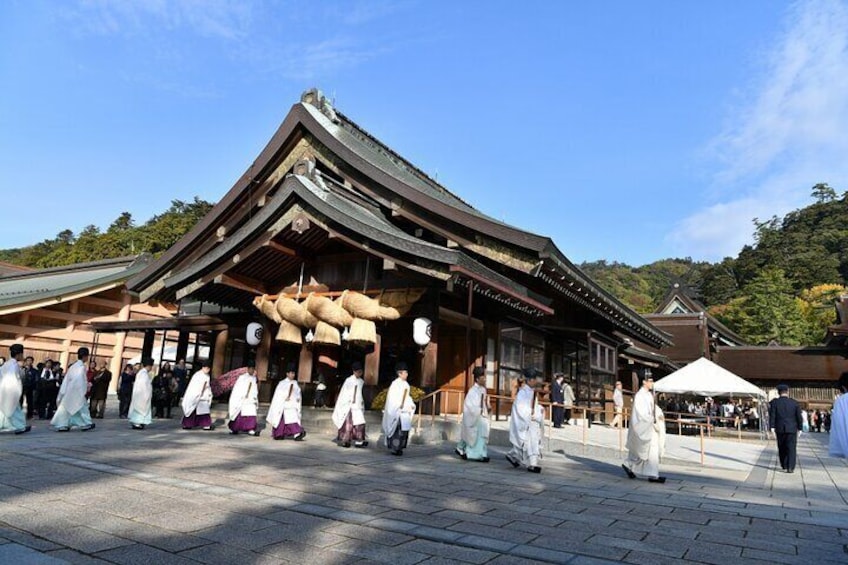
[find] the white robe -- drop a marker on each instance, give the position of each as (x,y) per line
(141,406)
(11,388)
(198,395)
(398,402)
(525,428)
(349,401)
(839,427)
(244,400)
(646,436)
(287,401)
(72,392)
(474,413)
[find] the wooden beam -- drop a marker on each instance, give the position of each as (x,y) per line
(281,248)
(241,282)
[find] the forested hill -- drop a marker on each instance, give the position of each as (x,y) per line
(781,289)
(123,237)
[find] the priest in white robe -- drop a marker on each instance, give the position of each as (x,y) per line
(349,412)
(12,418)
(398,411)
(474,433)
(141,404)
(646,435)
(525,425)
(72,411)
(197,401)
(839,421)
(244,404)
(284,412)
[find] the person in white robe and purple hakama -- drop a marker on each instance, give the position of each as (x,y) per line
(72,411)
(12,417)
(398,412)
(646,435)
(244,403)
(141,403)
(197,401)
(474,434)
(525,425)
(284,412)
(349,411)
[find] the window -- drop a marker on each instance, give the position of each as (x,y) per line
(603,357)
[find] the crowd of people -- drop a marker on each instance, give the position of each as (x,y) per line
(729,413)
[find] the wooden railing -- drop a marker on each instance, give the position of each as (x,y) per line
(443,394)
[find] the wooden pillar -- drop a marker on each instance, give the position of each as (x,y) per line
(372,364)
(182,345)
(117,364)
(468,379)
(147,344)
(220,352)
(263,353)
(67,342)
(304,366)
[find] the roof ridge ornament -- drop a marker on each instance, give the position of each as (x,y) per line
(314,97)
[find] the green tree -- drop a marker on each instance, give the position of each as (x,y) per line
(823,193)
(771,312)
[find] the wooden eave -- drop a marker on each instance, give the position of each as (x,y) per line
(345,219)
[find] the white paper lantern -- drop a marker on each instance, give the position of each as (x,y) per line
(422,331)
(254,334)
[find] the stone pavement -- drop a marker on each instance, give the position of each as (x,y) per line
(164,495)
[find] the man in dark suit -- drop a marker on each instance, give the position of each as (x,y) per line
(785,421)
(557,400)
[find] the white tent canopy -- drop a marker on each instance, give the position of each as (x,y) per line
(705,378)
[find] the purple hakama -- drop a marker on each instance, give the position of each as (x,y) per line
(195,420)
(348,432)
(286,430)
(243,424)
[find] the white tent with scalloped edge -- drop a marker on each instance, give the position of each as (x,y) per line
(705,378)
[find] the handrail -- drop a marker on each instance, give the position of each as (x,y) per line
(433,395)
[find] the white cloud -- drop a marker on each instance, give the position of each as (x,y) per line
(789,134)
(223,19)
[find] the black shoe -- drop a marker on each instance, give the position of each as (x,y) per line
(137,426)
(534,469)
(630,474)
(512,461)
(483,460)
(89,427)
(790,471)
(360,444)
(300,437)
(63,429)
(659,480)
(209,428)
(346,444)
(397,452)
(23,431)
(461,454)
(254,433)
(233,433)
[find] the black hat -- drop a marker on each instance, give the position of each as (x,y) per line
(291,368)
(147,361)
(356,366)
(82,352)
(782,387)
(478,372)
(401,366)
(16,349)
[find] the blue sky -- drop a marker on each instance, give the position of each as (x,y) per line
(628,131)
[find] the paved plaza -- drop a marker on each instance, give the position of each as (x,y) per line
(164,495)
